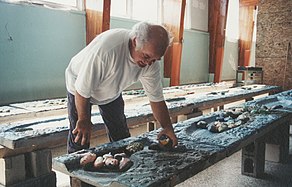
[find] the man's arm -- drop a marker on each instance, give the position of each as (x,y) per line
(161,114)
(83,124)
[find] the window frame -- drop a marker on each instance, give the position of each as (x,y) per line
(129,11)
(46,3)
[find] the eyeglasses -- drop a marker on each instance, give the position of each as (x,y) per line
(148,58)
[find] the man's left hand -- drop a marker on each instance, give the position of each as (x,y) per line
(170,133)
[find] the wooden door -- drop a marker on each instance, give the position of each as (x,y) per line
(217,25)
(173,19)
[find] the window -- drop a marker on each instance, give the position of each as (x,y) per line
(232,21)
(119,8)
(146,10)
(62,4)
(94,5)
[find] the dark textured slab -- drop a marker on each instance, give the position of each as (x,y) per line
(38,131)
(31,108)
(202,148)
(11,111)
(283,98)
(43,105)
(233,139)
(151,167)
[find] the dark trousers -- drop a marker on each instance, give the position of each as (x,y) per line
(112,115)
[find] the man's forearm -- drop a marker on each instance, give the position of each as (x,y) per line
(82,107)
(161,114)
(83,124)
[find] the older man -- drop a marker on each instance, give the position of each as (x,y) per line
(99,73)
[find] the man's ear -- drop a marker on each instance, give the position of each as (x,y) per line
(134,42)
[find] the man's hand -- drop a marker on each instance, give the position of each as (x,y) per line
(82,131)
(83,124)
(161,114)
(169,132)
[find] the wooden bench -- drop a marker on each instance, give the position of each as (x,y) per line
(203,149)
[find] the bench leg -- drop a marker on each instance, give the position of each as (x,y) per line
(152,125)
(249,99)
(74,182)
(189,115)
(253,159)
(253,155)
(173,119)
(217,108)
(290,129)
(182,118)
(277,144)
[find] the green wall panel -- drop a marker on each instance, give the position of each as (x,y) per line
(195,57)
(36,45)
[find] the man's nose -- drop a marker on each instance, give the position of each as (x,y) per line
(149,62)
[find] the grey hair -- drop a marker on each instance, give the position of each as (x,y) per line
(144,32)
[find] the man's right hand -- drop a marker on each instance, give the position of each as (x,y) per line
(82,131)
(83,125)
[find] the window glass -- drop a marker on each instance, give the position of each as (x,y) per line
(94,5)
(232,21)
(51,3)
(146,10)
(119,8)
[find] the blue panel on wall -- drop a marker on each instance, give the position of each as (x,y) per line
(195,57)
(36,45)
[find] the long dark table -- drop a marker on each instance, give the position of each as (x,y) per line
(202,149)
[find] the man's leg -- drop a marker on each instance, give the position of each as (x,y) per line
(73,117)
(115,119)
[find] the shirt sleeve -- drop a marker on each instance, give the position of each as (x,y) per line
(151,82)
(88,76)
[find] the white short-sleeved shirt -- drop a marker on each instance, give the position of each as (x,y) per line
(104,68)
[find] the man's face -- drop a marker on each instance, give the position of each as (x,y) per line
(146,56)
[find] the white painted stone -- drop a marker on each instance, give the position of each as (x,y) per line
(272,152)
(182,117)
(39,162)
(12,169)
